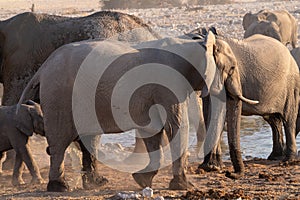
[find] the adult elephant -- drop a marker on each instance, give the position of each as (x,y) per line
(273,81)
(296,54)
(125,88)
(27,39)
(279,24)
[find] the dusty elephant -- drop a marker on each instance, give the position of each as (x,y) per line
(258,71)
(279,24)
(27,39)
(278,138)
(15,130)
(296,54)
(150,120)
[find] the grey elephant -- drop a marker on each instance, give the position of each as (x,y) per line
(27,39)
(272,80)
(296,54)
(15,129)
(279,24)
(63,107)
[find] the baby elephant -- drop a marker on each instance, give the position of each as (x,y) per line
(15,129)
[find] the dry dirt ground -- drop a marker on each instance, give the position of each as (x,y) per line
(263,179)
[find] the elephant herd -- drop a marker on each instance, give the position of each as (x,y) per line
(68,64)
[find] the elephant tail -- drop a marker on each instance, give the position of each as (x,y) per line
(30,90)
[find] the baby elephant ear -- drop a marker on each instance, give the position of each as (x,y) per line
(23,121)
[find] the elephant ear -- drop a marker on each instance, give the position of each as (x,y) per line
(248,19)
(274,31)
(23,121)
(210,42)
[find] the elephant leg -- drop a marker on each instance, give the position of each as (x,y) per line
(177,131)
(145,176)
(8,163)
(23,153)
(233,116)
(291,148)
(57,182)
(277,134)
(90,178)
(2,159)
(56,150)
(139,144)
(290,127)
(213,157)
(139,149)
(199,126)
(18,171)
(213,160)
(31,165)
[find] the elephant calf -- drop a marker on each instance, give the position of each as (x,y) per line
(15,128)
(279,24)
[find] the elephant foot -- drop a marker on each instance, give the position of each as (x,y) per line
(93,180)
(180,183)
(18,182)
(289,157)
(212,165)
(234,175)
(276,156)
(57,186)
(37,180)
(144,179)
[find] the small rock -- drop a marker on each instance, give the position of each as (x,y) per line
(147,192)
(125,195)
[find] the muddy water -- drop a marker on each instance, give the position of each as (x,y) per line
(256,139)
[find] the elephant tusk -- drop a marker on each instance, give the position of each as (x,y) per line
(252,102)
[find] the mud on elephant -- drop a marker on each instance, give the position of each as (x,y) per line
(144,115)
(279,24)
(15,130)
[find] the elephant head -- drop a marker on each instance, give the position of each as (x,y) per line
(248,19)
(263,27)
(29,119)
(228,67)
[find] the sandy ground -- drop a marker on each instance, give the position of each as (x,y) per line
(263,179)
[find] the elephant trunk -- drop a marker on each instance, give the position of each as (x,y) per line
(234,87)
(233,127)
